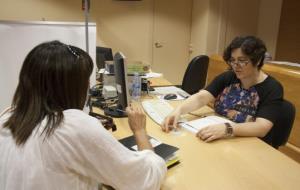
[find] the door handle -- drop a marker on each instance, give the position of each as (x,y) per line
(191,48)
(158,45)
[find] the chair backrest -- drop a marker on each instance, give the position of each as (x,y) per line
(103,54)
(281,130)
(195,75)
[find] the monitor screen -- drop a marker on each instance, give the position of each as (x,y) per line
(121,80)
(122,87)
(103,54)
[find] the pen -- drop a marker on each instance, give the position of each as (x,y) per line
(119,110)
(186,125)
(189,125)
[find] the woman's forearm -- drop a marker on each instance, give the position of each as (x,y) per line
(142,140)
(195,102)
(259,128)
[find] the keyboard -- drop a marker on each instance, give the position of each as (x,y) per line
(183,94)
(157,109)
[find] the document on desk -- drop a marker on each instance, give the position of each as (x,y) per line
(195,125)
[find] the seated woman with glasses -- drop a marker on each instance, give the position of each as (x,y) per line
(244,94)
(48,142)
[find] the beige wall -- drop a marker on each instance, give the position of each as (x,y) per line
(52,10)
(124,26)
(217,25)
(268,23)
(242,18)
(222,20)
(199,30)
(128,26)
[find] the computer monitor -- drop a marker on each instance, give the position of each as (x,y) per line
(103,54)
(122,87)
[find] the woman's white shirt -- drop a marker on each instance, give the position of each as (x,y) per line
(79,154)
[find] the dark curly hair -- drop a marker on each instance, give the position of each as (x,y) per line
(253,47)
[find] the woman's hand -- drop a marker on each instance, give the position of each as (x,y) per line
(136,118)
(137,123)
(212,132)
(170,121)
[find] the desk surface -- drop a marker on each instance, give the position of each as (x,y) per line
(238,163)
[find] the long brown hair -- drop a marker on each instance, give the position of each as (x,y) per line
(54,77)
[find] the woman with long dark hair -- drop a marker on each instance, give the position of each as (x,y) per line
(48,142)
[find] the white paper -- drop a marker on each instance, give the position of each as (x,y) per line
(154,142)
(197,124)
(161,91)
(152,75)
(103,71)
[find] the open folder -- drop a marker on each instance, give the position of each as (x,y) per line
(167,152)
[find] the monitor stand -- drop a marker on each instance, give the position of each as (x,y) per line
(115,111)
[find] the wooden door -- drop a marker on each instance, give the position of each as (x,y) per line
(288,41)
(171,38)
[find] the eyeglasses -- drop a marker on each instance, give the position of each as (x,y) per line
(239,62)
(73,51)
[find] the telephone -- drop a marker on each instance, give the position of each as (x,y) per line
(106,121)
(96,90)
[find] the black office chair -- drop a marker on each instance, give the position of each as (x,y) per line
(103,54)
(281,130)
(195,75)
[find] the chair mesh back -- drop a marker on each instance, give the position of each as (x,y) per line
(195,75)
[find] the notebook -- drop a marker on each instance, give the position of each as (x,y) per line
(166,151)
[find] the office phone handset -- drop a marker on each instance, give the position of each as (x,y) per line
(106,121)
